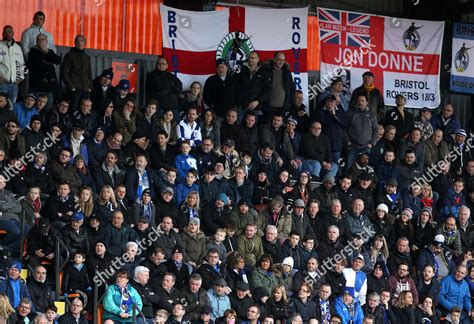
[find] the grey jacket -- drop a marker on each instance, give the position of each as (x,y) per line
(9,205)
(363,128)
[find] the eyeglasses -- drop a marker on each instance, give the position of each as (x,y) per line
(304,290)
(25,307)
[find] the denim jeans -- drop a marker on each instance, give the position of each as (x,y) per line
(314,168)
(11,89)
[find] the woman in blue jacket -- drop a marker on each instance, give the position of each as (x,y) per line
(120,299)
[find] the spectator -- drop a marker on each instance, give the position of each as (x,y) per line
(435,255)
(76,72)
(263,275)
(356,279)
(452,237)
(447,122)
(196,298)
(303,304)
(310,275)
(163,86)
(74,235)
(41,242)
(117,235)
(121,299)
(400,118)
(211,268)
(30,35)
(404,308)
(401,281)
(218,299)
(250,244)
(13,64)
(194,242)
(427,284)
(6,111)
(426,309)
(316,150)
(125,119)
(349,308)
(25,110)
(10,210)
(14,287)
(374,96)
(363,128)
(149,299)
(220,89)
(11,141)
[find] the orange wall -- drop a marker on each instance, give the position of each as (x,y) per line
(102,21)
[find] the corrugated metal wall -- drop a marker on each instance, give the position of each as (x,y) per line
(116,25)
(101,60)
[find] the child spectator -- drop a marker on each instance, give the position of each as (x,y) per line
(75,277)
(189,184)
(218,244)
(185,161)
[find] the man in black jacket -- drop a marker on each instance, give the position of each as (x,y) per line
(141,284)
(74,235)
(74,315)
(178,267)
(316,150)
(211,269)
(108,173)
(196,298)
(40,292)
(220,90)
(324,306)
(163,86)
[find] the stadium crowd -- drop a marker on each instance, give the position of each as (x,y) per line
(229,202)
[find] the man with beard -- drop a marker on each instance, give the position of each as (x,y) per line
(10,139)
(40,292)
(64,172)
(435,254)
(400,281)
(427,284)
(345,193)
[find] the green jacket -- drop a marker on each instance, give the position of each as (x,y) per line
(251,249)
(261,278)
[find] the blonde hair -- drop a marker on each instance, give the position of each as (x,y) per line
(400,303)
(5,308)
(87,207)
(282,289)
(428,186)
(195,193)
(102,201)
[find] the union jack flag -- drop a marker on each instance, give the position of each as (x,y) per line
(344,28)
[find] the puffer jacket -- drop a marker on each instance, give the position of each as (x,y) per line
(194,245)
